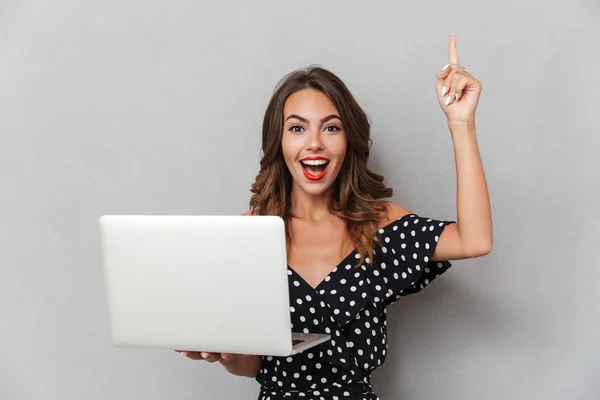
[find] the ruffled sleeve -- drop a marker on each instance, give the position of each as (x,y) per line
(402,265)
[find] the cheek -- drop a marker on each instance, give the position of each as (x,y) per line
(339,148)
(288,150)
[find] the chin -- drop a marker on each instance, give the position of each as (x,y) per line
(315,190)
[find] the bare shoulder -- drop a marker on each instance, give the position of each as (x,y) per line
(393,212)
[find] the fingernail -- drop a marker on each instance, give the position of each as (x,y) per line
(445,67)
(204,355)
(454,33)
(457,96)
(184,353)
(444,88)
(448,100)
(224,356)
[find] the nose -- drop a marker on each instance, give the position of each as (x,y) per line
(315,141)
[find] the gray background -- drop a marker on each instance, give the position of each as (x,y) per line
(155,107)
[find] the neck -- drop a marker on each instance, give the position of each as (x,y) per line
(310,207)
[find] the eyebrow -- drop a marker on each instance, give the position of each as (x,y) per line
(327,118)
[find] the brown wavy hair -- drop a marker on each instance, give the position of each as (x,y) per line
(357,190)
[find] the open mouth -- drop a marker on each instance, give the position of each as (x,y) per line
(314,170)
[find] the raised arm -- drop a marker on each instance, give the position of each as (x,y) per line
(458,95)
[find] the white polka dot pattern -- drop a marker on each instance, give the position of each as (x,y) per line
(350,305)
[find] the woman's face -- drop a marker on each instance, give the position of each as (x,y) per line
(313,141)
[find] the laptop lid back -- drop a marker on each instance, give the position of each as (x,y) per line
(199,283)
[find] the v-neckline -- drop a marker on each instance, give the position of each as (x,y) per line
(334,269)
(325,278)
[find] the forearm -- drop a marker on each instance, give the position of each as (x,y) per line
(474,219)
(248,366)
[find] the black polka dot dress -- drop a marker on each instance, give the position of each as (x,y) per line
(350,305)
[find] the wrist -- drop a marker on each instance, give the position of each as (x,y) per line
(462,128)
(461,123)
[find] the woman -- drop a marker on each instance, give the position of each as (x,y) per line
(314,175)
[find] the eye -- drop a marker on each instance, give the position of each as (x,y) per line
(332,128)
(295,128)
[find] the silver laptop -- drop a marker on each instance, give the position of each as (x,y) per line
(200,283)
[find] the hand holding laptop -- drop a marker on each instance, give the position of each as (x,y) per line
(237,364)
(211,357)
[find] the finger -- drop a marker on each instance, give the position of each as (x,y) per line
(211,357)
(450,94)
(450,97)
(460,85)
(452,51)
(446,87)
(229,356)
(444,72)
(194,355)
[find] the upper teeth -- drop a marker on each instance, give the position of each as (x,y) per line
(315,162)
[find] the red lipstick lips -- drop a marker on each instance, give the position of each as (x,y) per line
(311,177)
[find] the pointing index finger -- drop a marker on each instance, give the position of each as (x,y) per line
(452,51)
